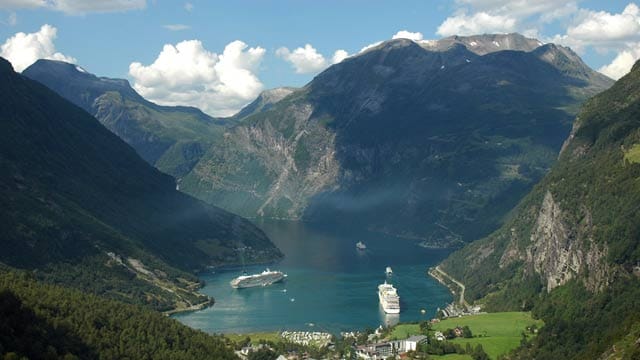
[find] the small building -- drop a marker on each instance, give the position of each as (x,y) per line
(439,336)
(376,351)
(457,331)
(411,343)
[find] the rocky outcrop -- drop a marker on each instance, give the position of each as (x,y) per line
(560,250)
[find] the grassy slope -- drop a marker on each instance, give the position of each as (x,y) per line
(498,333)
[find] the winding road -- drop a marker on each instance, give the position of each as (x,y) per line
(462,288)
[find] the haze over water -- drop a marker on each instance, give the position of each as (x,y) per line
(331,286)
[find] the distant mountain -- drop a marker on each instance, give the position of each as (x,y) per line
(430,140)
(571,252)
(264,101)
(170,137)
(81,208)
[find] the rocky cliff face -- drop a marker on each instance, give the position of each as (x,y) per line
(560,250)
(430,141)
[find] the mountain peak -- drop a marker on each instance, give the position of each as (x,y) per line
(486,43)
(5,65)
(264,101)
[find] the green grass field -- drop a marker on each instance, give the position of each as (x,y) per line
(633,154)
(267,336)
(498,333)
(452,357)
(403,331)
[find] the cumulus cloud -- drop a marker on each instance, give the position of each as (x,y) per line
(601,26)
(339,55)
(500,16)
(307,60)
(478,23)
(176,27)
(24,49)
(404,34)
(188,6)
(606,33)
(76,7)
(188,74)
(622,63)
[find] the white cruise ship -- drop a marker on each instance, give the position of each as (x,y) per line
(389,298)
(265,278)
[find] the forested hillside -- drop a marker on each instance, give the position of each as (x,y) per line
(571,252)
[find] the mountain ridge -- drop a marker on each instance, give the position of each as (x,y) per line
(332,146)
(81,208)
(170,137)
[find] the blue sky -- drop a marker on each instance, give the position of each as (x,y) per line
(107,36)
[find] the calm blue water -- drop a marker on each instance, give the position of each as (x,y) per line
(331,286)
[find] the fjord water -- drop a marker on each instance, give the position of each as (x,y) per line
(331,286)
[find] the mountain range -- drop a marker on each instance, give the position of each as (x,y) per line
(434,140)
(429,140)
(81,208)
(172,138)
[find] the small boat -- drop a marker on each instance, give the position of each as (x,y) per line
(388,271)
(361,246)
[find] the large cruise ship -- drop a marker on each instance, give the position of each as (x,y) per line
(389,298)
(265,278)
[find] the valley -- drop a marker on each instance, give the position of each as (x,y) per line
(325,190)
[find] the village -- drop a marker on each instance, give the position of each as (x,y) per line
(403,341)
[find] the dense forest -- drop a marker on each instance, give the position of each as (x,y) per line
(42,321)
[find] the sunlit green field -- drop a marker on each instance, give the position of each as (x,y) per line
(498,333)
(266,336)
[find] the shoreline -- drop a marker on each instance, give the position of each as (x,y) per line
(201,306)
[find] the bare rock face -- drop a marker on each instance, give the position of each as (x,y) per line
(560,252)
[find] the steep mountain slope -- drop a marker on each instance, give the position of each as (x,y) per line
(81,208)
(572,250)
(171,138)
(428,140)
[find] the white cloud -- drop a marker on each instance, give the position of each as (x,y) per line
(370,46)
(76,7)
(21,4)
(338,56)
(188,74)
(478,23)
(500,16)
(307,60)
(601,26)
(519,8)
(404,34)
(23,49)
(188,6)
(176,27)
(304,59)
(622,63)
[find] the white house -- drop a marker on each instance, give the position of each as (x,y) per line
(411,344)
